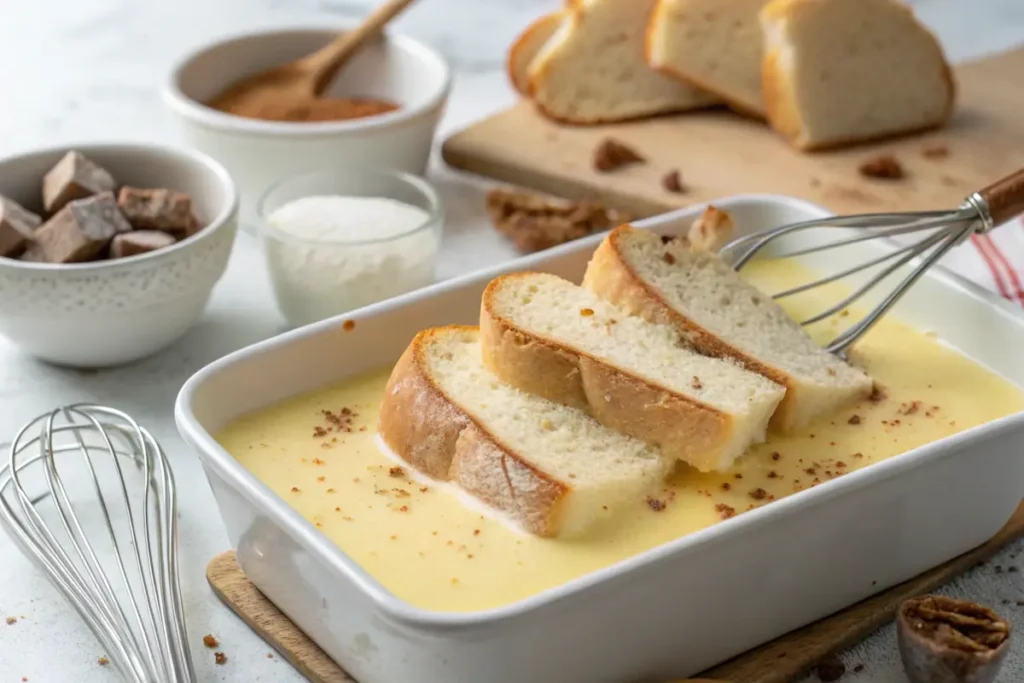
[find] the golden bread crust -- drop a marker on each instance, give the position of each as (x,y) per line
(680,426)
(610,277)
(442,439)
(517,54)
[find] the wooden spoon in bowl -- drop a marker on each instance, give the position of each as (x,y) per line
(284,87)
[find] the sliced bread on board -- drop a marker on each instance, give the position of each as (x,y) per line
(713,45)
(593,69)
(723,315)
(553,469)
(526,46)
(555,339)
(839,72)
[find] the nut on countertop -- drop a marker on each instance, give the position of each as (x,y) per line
(944,640)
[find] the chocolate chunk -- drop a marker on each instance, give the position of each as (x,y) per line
(82,229)
(139,242)
(157,209)
(34,253)
(74,177)
(17,227)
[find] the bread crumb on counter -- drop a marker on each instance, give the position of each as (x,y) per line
(831,669)
(210,641)
(884,167)
(535,222)
(612,155)
(673,182)
(103,661)
(220,658)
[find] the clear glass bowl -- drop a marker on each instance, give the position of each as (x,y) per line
(319,271)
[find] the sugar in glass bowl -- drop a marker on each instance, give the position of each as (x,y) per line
(336,240)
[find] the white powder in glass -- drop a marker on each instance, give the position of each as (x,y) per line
(348,252)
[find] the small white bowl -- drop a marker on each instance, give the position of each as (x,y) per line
(106,313)
(258,153)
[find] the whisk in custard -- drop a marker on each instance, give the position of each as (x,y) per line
(902,266)
(87,494)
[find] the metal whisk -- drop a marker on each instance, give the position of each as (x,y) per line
(980,212)
(88,496)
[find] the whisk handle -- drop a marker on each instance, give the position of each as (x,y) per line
(1005,198)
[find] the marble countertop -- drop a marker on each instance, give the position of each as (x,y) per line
(83,71)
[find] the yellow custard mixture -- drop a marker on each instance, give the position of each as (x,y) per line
(318,452)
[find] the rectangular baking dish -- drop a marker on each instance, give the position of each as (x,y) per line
(669,612)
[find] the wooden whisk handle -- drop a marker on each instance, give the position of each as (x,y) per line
(1005,197)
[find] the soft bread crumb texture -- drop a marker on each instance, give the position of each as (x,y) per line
(553,468)
(838,72)
(558,309)
(723,315)
(711,44)
(593,68)
(546,335)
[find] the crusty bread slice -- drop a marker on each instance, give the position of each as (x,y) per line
(723,315)
(555,339)
(552,469)
(593,69)
(527,46)
(839,72)
(713,45)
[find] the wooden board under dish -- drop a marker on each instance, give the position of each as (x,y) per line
(719,153)
(780,661)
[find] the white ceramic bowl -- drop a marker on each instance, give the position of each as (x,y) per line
(259,152)
(106,313)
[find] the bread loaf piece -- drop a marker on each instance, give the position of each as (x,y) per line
(551,468)
(555,339)
(838,72)
(713,45)
(593,68)
(723,315)
(526,46)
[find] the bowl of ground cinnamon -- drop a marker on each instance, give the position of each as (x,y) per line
(380,111)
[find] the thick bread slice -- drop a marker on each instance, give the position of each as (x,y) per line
(526,47)
(713,45)
(555,339)
(839,72)
(722,315)
(552,469)
(593,69)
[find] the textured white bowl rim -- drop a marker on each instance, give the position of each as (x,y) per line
(200,113)
(402,613)
(227,186)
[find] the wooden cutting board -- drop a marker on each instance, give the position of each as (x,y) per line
(718,153)
(781,661)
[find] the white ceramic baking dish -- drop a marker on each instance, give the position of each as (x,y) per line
(669,612)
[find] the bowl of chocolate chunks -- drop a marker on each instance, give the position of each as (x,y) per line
(109,252)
